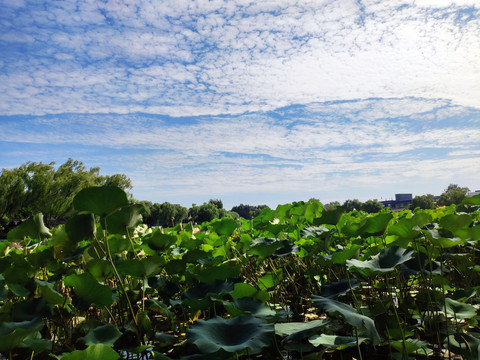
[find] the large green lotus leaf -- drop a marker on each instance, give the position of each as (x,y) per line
(202,290)
(233,335)
(443,239)
(241,290)
(376,224)
(249,306)
(93,352)
(334,341)
(270,279)
(49,293)
(100,269)
(100,200)
(62,244)
(13,333)
(465,343)
(341,256)
(33,228)
(224,271)
(458,309)
(104,334)
(159,241)
(471,200)
(471,233)
(224,226)
(176,267)
(125,219)
(413,347)
(141,268)
(19,271)
(298,330)
(264,247)
(158,307)
(330,217)
(420,264)
(385,261)
(29,309)
(81,227)
(409,228)
(312,210)
(35,343)
(336,289)
(89,290)
(455,221)
(349,313)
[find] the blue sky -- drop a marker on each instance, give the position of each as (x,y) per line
(258,102)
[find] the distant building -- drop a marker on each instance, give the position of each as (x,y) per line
(473,193)
(401,201)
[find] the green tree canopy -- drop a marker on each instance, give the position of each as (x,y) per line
(423,202)
(248,211)
(40,187)
(351,205)
(165,214)
(372,206)
(453,194)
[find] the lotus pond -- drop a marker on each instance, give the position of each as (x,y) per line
(297,282)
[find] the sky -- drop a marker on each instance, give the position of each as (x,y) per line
(253,102)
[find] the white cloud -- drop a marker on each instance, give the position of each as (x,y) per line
(191,58)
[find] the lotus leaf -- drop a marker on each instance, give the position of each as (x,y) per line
(104,334)
(233,335)
(336,289)
(90,290)
(81,227)
(224,226)
(125,219)
(33,228)
(100,200)
(297,330)
(49,293)
(335,341)
(384,261)
(349,313)
(250,306)
(458,309)
(13,333)
(93,352)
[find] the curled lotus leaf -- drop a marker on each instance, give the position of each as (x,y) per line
(233,335)
(385,261)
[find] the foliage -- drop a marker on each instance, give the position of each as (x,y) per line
(423,202)
(351,205)
(372,206)
(298,281)
(248,211)
(38,187)
(209,211)
(453,194)
(165,214)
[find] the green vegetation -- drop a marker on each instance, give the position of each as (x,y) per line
(296,282)
(37,187)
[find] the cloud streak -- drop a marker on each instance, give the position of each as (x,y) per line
(191,58)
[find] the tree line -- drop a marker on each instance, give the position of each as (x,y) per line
(38,187)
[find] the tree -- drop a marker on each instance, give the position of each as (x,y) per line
(351,205)
(248,211)
(423,202)
(39,187)
(165,214)
(332,205)
(453,194)
(372,206)
(206,212)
